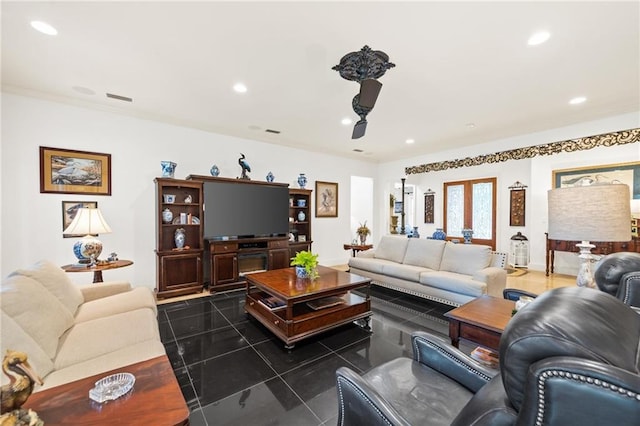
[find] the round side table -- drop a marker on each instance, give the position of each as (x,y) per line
(97,269)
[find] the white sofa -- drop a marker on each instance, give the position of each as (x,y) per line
(434,269)
(70,332)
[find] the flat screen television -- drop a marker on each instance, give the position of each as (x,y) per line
(245,210)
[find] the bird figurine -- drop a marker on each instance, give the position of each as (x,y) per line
(245,167)
(15,393)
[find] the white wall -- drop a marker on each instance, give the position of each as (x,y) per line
(31,222)
(361,205)
(535,173)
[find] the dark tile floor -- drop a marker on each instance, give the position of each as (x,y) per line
(233,371)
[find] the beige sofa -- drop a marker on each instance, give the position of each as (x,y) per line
(434,269)
(69,331)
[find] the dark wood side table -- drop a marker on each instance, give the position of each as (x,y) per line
(355,248)
(155,399)
(97,269)
(481,321)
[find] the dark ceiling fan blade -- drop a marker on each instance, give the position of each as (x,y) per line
(359,129)
(369,91)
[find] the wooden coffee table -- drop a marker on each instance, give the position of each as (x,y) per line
(481,321)
(296,319)
(155,399)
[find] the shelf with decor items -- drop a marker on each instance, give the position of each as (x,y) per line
(299,220)
(179,237)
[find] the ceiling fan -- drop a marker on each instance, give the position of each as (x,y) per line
(365,67)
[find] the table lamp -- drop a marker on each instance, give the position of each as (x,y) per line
(589,213)
(88,221)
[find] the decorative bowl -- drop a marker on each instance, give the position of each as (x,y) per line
(169,198)
(112,387)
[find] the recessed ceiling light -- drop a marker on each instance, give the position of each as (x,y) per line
(240,88)
(346,121)
(577,100)
(538,38)
(44,28)
(410,141)
(470,125)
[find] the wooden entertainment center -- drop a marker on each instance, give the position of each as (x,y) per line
(220,263)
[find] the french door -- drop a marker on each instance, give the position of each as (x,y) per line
(471,204)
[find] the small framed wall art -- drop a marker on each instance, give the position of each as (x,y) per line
(429,206)
(326,199)
(64,171)
(517,195)
(69,210)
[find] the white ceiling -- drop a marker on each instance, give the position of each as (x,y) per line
(456,63)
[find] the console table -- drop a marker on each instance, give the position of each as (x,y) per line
(355,248)
(602,248)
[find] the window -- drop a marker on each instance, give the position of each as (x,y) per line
(471,204)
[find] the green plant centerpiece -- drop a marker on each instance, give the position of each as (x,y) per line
(363,231)
(306,264)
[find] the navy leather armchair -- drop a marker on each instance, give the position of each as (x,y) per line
(571,357)
(619,275)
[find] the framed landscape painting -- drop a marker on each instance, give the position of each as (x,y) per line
(64,171)
(627,173)
(326,199)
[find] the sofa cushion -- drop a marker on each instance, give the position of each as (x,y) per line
(369,264)
(404,272)
(454,282)
(139,297)
(36,310)
(391,248)
(117,359)
(465,258)
(56,281)
(424,252)
(90,339)
(15,338)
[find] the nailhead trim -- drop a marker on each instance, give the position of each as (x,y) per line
(450,356)
(579,378)
(362,395)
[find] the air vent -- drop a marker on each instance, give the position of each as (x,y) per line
(277,132)
(118,97)
(358,150)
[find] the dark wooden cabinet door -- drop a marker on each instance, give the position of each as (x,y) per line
(279,258)
(225,268)
(179,274)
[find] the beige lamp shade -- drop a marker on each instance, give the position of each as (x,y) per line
(87,222)
(590,213)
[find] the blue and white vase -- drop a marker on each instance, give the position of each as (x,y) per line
(168,168)
(179,237)
(270,177)
(167,216)
(466,234)
(302,180)
(301,272)
(416,234)
(301,216)
(215,171)
(439,234)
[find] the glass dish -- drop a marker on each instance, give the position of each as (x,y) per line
(112,387)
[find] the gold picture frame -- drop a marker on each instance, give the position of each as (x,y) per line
(65,171)
(69,209)
(326,199)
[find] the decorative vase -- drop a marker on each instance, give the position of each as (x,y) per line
(167,216)
(168,168)
(466,234)
(270,177)
(179,237)
(416,234)
(439,234)
(301,216)
(363,239)
(302,180)
(301,272)
(215,171)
